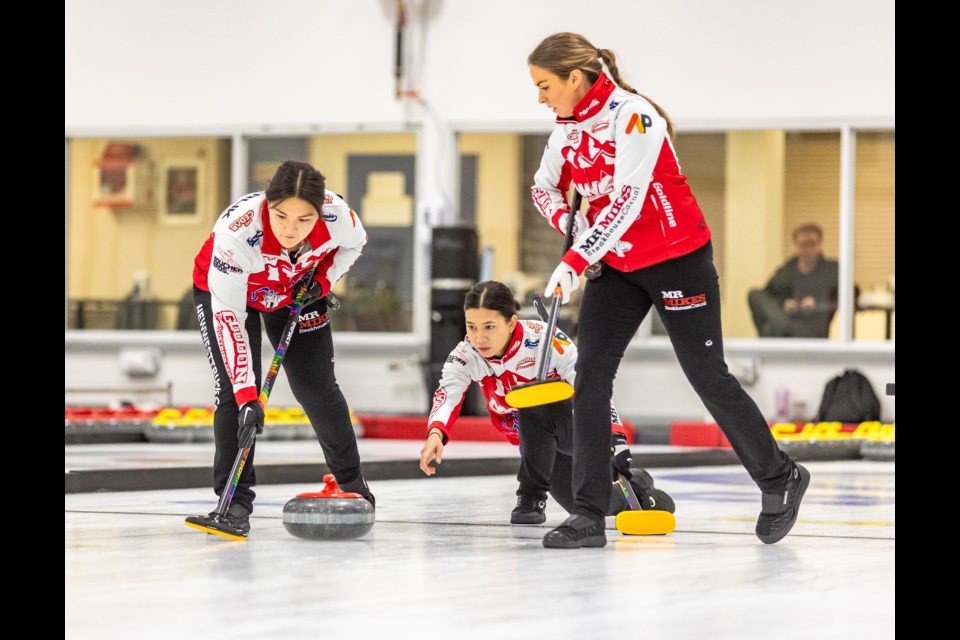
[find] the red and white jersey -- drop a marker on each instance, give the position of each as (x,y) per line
(243,265)
(616,151)
(497,376)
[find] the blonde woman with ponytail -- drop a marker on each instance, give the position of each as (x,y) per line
(643,242)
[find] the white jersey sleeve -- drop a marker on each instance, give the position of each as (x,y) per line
(351,238)
(639,138)
(564,357)
(231,264)
(455,379)
(551,181)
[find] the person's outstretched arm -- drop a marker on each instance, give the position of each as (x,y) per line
(447,400)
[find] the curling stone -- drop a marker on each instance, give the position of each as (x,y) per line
(277,427)
(302,428)
(200,421)
(330,514)
(168,427)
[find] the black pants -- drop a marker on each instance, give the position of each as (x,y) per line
(773,322)
(546,445)
(686,293)
(546,455)
(308,366)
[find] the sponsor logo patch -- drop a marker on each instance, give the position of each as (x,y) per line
(541,198)
(254,240)
(452,358)
(677,301)
(600,126)
(526,362)
(266,296)
(227,256)
(614,416)
(665,204)
(230,335)
(560,341)
(236,205)
(312,321)
(224,267)
(242,221)
(626,198)
(531,344)
(439,397)
(640,122)
(202,318)
(586,109)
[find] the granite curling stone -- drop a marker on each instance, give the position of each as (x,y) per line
(330,514)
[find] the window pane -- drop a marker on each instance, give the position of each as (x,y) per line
(812,201)
(375,174)
(874,244)
(755,188)
(778,182)
(139,210)
(540,244)
(264,155)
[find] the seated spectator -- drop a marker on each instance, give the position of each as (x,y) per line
(801,297)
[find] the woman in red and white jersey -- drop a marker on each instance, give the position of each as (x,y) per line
(647,245)
(246,276)
(499,352)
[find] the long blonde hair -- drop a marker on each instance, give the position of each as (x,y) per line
(563,52)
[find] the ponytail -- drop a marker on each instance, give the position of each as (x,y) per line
(609,61)
(561,53)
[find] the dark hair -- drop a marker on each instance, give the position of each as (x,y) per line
(809,227)
(295,179)
(492,295)
(561,53)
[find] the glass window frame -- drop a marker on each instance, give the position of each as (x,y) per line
(645,342)
(391,343)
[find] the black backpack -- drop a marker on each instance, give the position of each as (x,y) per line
(849,398)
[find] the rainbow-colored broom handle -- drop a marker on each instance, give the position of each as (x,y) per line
(251,435)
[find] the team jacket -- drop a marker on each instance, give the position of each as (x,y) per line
(616,151)
(243,265)
(497,376)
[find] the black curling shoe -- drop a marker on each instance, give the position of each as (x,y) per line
(649,496)
(237,518)
(575,532)
(529,509)
(780,510)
